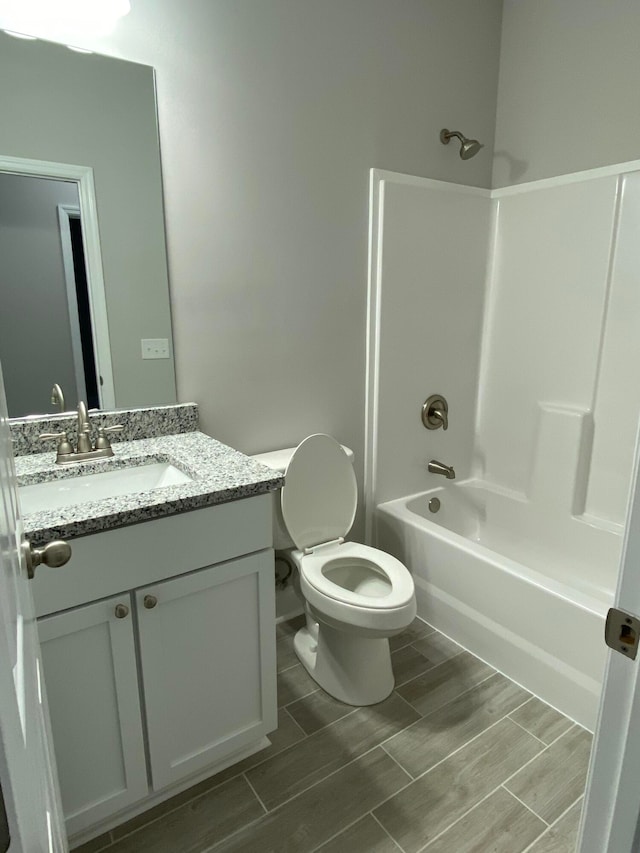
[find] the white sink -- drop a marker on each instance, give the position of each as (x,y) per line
(95,487)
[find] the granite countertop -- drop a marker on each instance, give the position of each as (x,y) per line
(220,474)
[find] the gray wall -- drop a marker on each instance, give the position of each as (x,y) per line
(271,114)
(35,336)
(88,110)
(568,93)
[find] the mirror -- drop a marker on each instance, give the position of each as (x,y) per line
(88,122)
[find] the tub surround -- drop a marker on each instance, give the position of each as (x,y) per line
(149,422)
(520,563)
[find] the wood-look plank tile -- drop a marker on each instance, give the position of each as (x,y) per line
(313,817)
(541,720)
(555,780)
(408,663)
(365,836)
(285,735)
(433,802)
(416,631)
(432,738)
(285,654)
(309,761)
(562,837)
(293,683)
(499,824)
(96,845)
(318,710)
(437,648)
(289,629)
(445,682)
(198,824)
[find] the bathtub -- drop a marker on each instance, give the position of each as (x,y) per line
(522,587)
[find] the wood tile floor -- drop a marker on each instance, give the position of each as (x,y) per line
(458,759)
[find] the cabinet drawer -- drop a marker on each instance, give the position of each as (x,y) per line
(108,563)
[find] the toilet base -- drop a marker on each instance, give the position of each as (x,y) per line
(355,670)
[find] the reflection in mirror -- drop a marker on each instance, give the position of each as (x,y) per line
(93,118)
(44,291)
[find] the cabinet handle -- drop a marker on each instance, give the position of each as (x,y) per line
(121,611)
(149,601)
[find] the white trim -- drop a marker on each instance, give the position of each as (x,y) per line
(65,213)
(83,176)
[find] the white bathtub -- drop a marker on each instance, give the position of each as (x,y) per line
(520,587)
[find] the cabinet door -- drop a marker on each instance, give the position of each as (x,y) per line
(207,649)
(89,664)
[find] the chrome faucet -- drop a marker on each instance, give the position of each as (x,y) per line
(84,450)
(57,397)
(436,467)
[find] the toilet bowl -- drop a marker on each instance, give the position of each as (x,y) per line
(355,597)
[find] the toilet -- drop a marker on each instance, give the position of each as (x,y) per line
(355,597)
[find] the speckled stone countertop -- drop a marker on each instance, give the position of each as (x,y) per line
(147,422)
(219,474)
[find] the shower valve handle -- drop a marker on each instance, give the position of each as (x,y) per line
(435,412)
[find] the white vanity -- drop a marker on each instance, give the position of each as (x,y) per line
(158,641)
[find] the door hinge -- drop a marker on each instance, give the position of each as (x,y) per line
(622,632)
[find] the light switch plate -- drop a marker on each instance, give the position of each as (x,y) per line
(155,347)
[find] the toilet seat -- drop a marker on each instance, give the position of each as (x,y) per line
(381,581)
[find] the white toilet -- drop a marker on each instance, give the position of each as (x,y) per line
(355,597)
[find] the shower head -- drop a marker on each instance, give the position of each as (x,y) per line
(468,147)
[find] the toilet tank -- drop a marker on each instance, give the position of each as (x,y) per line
(278,460)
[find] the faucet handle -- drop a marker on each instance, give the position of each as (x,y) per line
(440,415)
(64,445)
(102,442)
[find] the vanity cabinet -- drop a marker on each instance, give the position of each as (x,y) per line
(160,684)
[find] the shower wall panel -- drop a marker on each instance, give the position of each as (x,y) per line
(617,400)
(558,402)
(432,247)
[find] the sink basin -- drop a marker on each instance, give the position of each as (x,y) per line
(95,487)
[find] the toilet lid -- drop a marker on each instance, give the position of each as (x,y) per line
(320,493)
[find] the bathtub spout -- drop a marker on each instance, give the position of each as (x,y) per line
(436,467)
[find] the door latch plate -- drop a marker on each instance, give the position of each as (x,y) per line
(622,632)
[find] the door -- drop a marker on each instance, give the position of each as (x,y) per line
(612,806)
(89,665)
(27,768)
(207,651)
